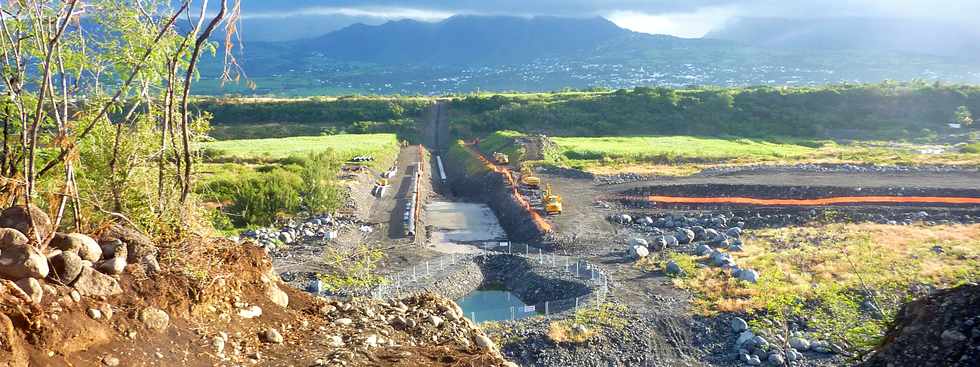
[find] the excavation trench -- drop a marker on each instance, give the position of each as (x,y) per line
(474,178)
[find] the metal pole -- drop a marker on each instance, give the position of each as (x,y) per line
(508,248)
(576,303)
(576,269)
(415,276)
(426,268)
(512,313)
(546,308)
(540,256)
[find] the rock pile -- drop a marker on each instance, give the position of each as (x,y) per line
(705,235)
(419,320)
(942,329)
(767,347)
(70,259)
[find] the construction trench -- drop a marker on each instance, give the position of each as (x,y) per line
(472,190)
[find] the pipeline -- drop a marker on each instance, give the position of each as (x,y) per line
(843,200)
(413,206)
(536,217)
(442,171)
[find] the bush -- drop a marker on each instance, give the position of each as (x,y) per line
(321,193)
(262,198)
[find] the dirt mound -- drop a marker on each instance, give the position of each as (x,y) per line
(942,329)
(217,302)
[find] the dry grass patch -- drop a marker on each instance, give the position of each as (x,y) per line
(583,325)
(830,275)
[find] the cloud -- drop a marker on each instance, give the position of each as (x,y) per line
(686,18)
(688,24)
(389,13)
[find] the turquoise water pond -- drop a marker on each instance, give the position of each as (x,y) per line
(493,305)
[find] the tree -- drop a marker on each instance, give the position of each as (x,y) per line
(87,86)
(963,116)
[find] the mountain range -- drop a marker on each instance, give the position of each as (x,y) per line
(468,53)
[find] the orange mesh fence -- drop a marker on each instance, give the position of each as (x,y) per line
(536,217)
(815,202)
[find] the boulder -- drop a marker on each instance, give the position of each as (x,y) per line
(272,290)
(16,217)
(10,237)
(638,252)
(698,233)
(743,338)
(776,359)
(137,244)
(703,250)
(658,243)
(710,235)
(734,232)
(83,245)
(272,336)
(67,266)
(155,319)
(484,342)
(799,344)
(150,264)
(21,262)
(671,240)
(739,325)
(719,258)
(639,242)
(114,248)
(113,266)
(751,360)
(93,283)
(748,275)
(32,288)
(674,269)
(684,236)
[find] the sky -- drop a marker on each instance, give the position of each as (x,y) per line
(683,18)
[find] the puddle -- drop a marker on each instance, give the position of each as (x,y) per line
(494,305)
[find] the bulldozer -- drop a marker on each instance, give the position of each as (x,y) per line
(501,158)
(529,179)
(552,202)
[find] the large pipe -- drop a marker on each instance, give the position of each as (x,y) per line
(442,172)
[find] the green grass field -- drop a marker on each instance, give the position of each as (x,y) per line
(685,155)
(280,148)
(677,148)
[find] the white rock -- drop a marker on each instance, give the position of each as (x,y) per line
(272,336)
(250,312)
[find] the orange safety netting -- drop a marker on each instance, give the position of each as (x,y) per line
(539,221)
(815,202)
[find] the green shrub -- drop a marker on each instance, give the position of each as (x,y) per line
(320,191)
(262,198)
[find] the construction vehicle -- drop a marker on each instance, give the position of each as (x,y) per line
(501,158)
(552,202)
(380,187)
(529,179)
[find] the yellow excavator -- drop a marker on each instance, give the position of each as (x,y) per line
(501,158)
(552,202)
(529,179)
